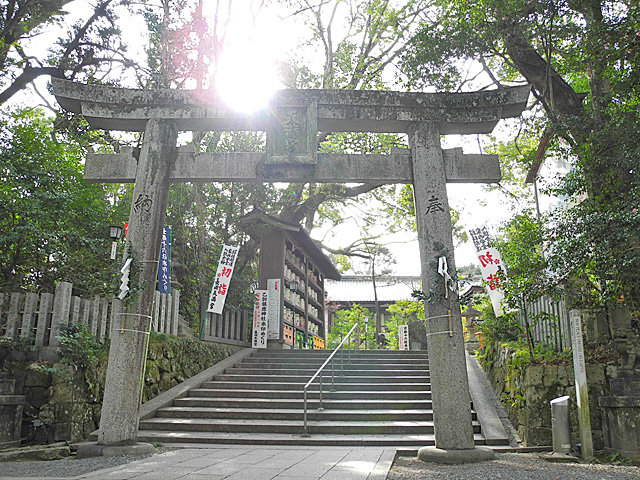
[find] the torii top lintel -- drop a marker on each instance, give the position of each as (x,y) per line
(113,108)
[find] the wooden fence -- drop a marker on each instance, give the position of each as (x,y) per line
(39,318)
(232,327)
(549,322)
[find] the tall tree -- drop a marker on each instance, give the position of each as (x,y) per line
(89,51)
(582,60)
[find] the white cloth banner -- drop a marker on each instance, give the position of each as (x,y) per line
(220,286)
(490,266)
(260,322)
(273,287)
(403,337)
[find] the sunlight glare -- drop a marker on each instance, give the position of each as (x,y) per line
(247,75)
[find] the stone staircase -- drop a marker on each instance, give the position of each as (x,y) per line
(383,399)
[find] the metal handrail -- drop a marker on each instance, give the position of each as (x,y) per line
(319,371)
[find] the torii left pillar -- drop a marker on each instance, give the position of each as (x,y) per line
(130,333)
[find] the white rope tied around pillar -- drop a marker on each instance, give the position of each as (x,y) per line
(122,329)
(450,332)
(449,316)
(439,316)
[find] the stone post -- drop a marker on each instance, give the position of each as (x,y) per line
(127,355)
(445,342)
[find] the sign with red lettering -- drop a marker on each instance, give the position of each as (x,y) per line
(260,321)
(490,266)
(220,286)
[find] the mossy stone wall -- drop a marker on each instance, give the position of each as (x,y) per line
(64,403)
(527,390)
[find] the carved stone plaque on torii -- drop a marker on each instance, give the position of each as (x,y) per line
(292,121)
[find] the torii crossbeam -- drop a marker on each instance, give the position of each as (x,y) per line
(292,121)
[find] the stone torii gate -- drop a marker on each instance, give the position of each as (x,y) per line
(292,121)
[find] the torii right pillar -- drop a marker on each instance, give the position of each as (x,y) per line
(454,442)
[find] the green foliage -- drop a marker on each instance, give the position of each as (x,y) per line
(343,322)
(504,328)
(52,224)
(565,50)
(19,344)
(78,346)
(405,312)
(521,245)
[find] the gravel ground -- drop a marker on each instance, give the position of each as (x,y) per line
(511,466)
(67,467)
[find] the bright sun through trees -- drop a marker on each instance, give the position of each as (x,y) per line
(247,72)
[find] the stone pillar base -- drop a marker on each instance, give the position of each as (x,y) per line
(620,420)
(92,449)
(455,457)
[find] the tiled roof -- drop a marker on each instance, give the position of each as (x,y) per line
(359,288)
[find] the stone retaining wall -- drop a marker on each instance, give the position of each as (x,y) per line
(526,390)
(64,404)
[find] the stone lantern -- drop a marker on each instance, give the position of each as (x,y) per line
(470,315)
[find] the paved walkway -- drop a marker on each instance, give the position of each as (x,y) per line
(254,463)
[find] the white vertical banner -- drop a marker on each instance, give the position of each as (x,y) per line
(260,322)
(220,286)
(490,266)
(273,287)
(403,337)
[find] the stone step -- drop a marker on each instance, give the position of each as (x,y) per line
(163,436)
(337,360)
(325,353)
(239,392)
(328,414)
(346,379)
(297,403)
(292,426)
(309,372)
(313,357)
(344,386)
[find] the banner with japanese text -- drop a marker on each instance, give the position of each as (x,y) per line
(260,321)
(273,287)
(403,337)
(220,286)
(164,264)
(490,266)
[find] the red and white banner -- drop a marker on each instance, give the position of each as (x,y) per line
(260,321)
(220,286)
(490,266)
